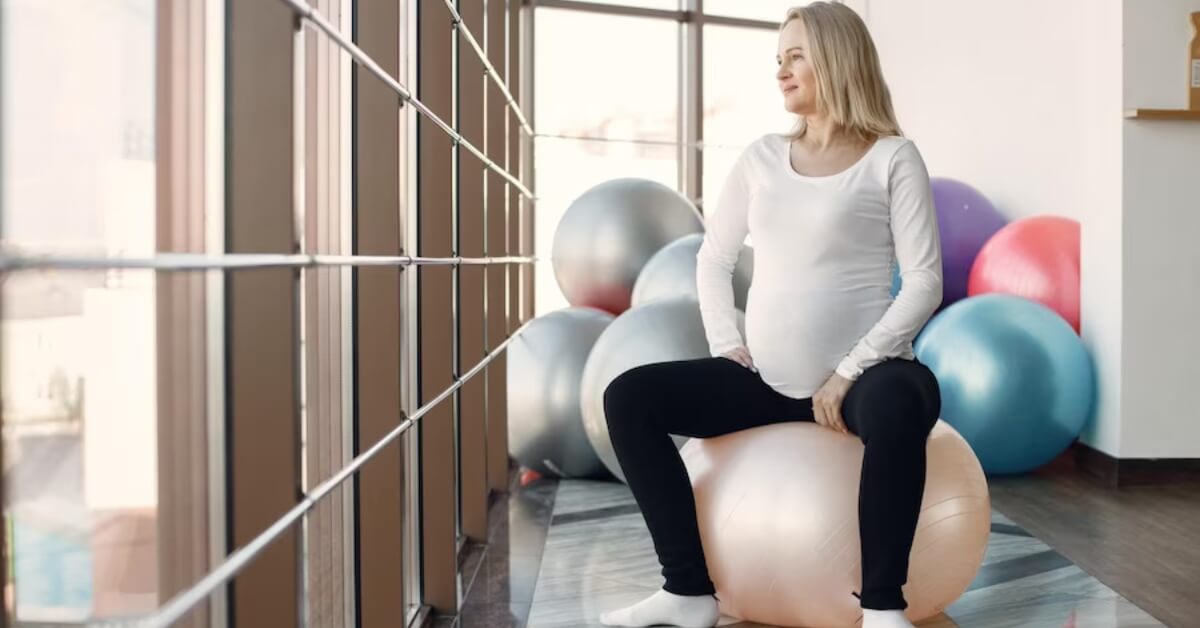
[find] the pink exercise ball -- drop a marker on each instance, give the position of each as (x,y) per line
(778,513)
(1036,258)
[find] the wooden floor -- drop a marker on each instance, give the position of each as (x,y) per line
(1142,541)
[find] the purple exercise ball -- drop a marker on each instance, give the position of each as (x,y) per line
(966,221)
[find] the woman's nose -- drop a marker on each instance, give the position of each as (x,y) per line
(782,72)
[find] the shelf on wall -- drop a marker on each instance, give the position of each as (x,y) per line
(1163,114)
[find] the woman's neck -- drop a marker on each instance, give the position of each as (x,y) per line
(821,134)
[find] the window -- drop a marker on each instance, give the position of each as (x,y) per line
(767,10)
(588,88)
(79,347)
(669,5)
(741,99)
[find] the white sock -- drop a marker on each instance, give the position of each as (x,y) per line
(664,607)
(884,619)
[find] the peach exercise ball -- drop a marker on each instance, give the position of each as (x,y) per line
(778,513)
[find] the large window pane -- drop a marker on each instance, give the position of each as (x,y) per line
(769,10)
(586,87)
(79,385)
(80,444)
(766,10)
(79,124)
(741,99)
(669,5)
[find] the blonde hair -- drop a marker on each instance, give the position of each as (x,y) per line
(850,86)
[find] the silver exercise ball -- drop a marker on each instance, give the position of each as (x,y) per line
(672,273)
(609,233)
(545,367)
(661,331)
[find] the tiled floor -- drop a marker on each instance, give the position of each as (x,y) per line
(499,578)
(561,552)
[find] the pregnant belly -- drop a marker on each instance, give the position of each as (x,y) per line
(797,339)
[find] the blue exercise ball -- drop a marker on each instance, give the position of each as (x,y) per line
(1016,380)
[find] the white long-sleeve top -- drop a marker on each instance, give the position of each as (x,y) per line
(820,298)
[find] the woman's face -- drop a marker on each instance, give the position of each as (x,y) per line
(795,73)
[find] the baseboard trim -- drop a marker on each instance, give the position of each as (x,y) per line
(1120,472)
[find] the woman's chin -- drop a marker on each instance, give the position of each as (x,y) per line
(793,107)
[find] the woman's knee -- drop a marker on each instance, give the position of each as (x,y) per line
(625,394)
(896,400)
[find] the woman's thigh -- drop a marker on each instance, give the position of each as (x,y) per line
(701,397)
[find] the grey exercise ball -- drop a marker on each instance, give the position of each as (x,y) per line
(672,273)
(609,233)
(545,368)
(661,331)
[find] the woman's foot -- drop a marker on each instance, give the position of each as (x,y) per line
(884,619)
(664,607)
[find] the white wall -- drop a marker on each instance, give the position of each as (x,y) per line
(1102,285)
(1161,226)
(996,94)
(1023,100)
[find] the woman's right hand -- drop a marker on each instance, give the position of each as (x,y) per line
(741,355)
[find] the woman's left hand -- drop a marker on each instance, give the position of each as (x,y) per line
(827,403)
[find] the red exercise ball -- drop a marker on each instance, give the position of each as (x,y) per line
(529,476)
(1036,258)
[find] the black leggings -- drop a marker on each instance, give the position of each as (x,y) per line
(892,407)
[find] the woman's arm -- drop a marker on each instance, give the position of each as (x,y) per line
(919,252)
(725,232)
